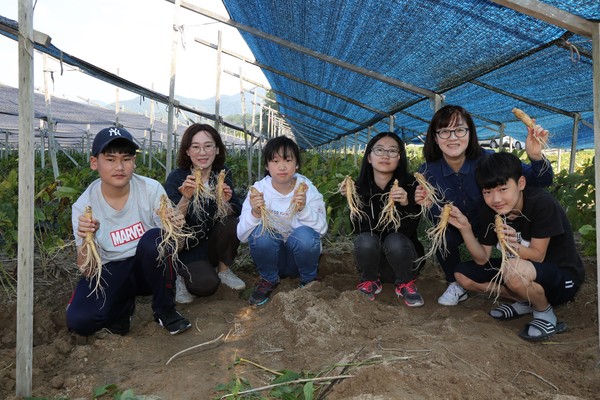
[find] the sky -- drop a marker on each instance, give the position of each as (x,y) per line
(131,38)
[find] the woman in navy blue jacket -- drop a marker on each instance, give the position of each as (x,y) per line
(451,153)
(215,242)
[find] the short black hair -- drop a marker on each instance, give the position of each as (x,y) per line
(496,169)
(120,146)
(282,146)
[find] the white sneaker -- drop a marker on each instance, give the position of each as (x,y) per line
(182,295)
(453,295)
(230,279)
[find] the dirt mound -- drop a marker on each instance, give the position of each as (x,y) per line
(388,350)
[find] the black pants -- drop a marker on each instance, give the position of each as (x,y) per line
(198,270)
(140,275)
(391,260)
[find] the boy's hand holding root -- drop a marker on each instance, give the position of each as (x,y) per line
(85,230)
(537,139)
(509,237)
(86,225)
(459,220)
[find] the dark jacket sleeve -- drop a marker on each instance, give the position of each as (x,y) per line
(539,173)
(235,202)
(174,180)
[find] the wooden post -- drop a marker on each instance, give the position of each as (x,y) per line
(152,103)
(49,121)
(355,149)
(88,143)
(117,102)
(24,350)
(596,91)
(249,152)
(574,142)
(42,145)
(260,140)
(174,46)
(218,84)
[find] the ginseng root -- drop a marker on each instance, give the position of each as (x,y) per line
(223,207)
(389,214)
(92,264)
(202,193)
(174,233)
(432,198)
(266,218)
(437,234)
(526,119)
(295,207)
(507,252)
(355,204)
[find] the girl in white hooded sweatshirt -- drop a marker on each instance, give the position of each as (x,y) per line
(290,246)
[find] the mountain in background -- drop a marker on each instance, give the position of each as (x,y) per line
(230,105)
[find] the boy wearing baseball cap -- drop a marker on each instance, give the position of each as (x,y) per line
(127,231)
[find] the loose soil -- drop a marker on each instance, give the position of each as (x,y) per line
(390,351)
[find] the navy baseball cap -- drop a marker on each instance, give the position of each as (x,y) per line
(107,136)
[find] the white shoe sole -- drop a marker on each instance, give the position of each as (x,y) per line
(461,298)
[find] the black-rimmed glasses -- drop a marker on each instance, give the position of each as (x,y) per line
(458,133)
(380,151)
(208,148)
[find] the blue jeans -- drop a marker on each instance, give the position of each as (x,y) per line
(276,258)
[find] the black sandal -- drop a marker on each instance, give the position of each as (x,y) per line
(547,328)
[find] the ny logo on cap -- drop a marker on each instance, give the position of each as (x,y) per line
(114,132)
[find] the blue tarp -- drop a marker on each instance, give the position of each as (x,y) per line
(464,50)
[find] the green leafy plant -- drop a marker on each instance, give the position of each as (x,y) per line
(577,194)
(288,385)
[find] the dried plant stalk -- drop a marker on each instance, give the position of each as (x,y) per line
(389,214)
(175,232)
(92,263)
(437,234)
(526,119)
(223,207)
(355,204)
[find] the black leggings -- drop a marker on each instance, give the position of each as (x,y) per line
(198,271)
(392,260)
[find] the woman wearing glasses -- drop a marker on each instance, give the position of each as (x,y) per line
(215,242)
(387,253)
(451,153)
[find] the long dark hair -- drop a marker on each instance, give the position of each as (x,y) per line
(366,176)
(443,118)
(184,161)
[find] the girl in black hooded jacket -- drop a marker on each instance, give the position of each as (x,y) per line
(387,253)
